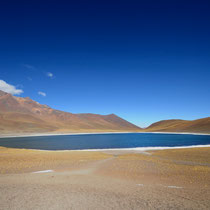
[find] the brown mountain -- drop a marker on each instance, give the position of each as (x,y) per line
(193,126)
(23,115)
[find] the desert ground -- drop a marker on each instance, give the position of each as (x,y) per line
(163,179)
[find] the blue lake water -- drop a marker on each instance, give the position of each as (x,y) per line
(105,141)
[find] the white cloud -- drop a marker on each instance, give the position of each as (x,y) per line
(49,74)
(9,88)
(42,93)
(29,78)
(29,66)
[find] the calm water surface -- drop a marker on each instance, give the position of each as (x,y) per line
(104,141)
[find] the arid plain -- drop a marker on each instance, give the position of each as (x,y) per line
(164,179)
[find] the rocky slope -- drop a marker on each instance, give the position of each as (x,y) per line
(192,126)
(24,115)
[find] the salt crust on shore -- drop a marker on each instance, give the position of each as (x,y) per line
(67,134)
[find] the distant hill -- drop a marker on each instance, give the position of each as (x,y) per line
(193,126)
(24,115)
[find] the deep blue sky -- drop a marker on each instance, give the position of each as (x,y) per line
(142,60)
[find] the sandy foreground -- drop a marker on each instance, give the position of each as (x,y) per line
(164,179)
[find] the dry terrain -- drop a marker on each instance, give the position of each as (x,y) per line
(190,126)
(165,179)
(20,115)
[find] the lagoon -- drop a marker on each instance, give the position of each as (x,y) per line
(105,141)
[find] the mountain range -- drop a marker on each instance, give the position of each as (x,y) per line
(24,115)
(20,115)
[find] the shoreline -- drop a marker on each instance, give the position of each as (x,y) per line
(95,133)
(132,149)
(185,133)
(142,149)
(60,134)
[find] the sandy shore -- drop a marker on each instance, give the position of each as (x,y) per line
(118,179)
(56,134)
(78,133)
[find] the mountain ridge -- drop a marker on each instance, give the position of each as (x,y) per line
(177,125)
(24,115)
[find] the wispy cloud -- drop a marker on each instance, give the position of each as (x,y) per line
(42,93)
(29,66)
(29,78)
(4,86)
(49,74)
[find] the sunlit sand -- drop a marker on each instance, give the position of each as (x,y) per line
(120,180)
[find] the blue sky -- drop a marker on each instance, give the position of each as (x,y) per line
(142,60)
